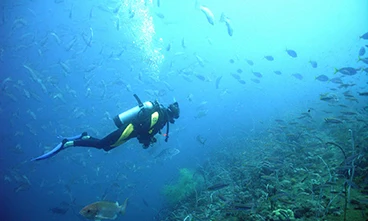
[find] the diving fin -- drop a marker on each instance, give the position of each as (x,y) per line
(59,147)
(50,153)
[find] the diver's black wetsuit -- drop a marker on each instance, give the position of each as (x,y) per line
(142,122)
(139,127)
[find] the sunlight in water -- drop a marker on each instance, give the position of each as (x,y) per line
(143,32)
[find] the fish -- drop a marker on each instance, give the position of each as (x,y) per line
(364,36)
(227,21)
(348,113)
(269,58)
(168,47)
(336,80)
(328,97)
(200,60)
(257,74)
(131,13)
(242,207)
(298,76)
(236,76)
(231,61)
(217,186)
(117,24)
(209,15)
(241,81)
(250,62)
(103,210)
(292,53)
(145,202)
(239,71)
(365,93)
(333,120)
(365,60)
(160,15)
(346,71)
(167,153)
(257,81)
(183,43)
(362,51)
(277,72)
(56,37)
(59,210)
(200,77)
(71,44)
(201,139)
(117,9)
(322,77)
(313,63)
(218,82)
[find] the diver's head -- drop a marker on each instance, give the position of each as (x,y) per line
(173,111)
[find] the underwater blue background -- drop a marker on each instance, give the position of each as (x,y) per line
(71,66)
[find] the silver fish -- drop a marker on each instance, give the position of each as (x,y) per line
(209,15)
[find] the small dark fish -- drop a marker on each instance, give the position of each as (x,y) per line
(257,81)
(217,186)
(363,93)
(292,53)
(250,62)
(221,197)
(322,77)
(241,81)
(239,71)
(365,60)
(145,202)
(116,10)
(241,206)
(257,74)
(183,43)
(298,76)
(168,47)
(218,82)
(236,76)
(346,71)
(350,113)
(160,15)
(227,21)
(277,72)
(59,210)
(333,120)
(200,77)
(364,36)
(336,80)
(131,13)
(231,61)
(313,63)
(279,121)
(201,139)
(362,51)
(328,97)
(269,58)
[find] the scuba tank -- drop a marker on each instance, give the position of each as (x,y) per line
(130,114)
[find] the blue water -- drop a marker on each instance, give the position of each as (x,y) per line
(71,66)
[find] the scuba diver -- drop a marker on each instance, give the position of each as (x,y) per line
(143,122)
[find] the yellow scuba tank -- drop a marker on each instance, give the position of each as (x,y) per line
(130,114)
